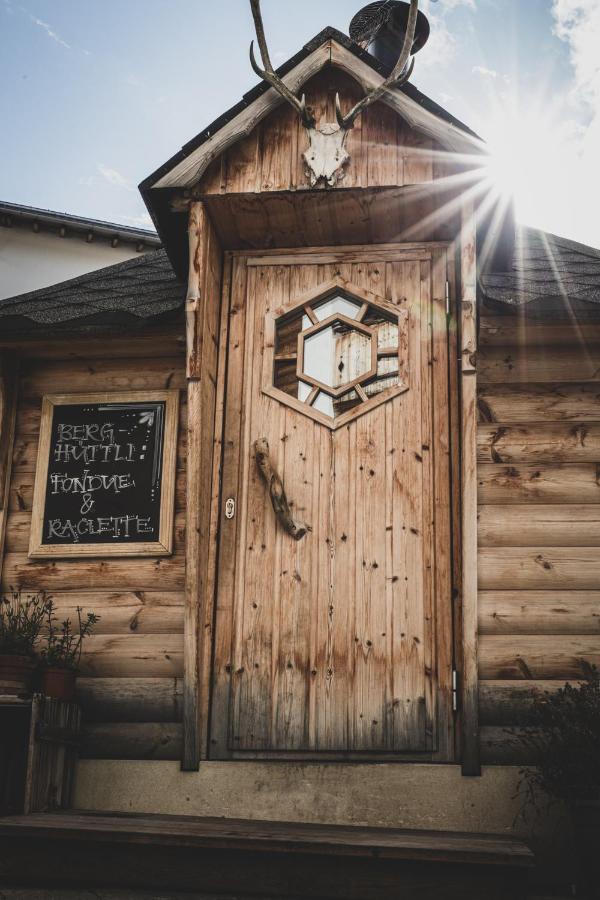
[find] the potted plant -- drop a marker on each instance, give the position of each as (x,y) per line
(564,742)
(62,654)
(21,621)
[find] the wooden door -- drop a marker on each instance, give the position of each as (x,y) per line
(340,644)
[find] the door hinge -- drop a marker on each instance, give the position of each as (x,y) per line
(447,298)
(454,690)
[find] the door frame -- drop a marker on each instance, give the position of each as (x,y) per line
(352,253)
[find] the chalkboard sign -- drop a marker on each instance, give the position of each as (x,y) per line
(105,476)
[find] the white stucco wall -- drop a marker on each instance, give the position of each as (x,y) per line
(29,261)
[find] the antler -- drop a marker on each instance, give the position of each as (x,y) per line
(395,79)
(269,74)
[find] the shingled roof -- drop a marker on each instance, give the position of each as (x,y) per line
(547,274)
(134,291)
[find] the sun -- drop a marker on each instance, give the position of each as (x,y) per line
(529,149)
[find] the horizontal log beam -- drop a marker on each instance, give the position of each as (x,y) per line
(503,703)
(539,612)
(78,375)
(504,746)
(577,483)
(165,341)
(543,525)
(525,403)
(539,568)
(133,655)
(519,331)
(110,700)
(134,740)
(537,657)
(544,442)
(134,574)
(508,365)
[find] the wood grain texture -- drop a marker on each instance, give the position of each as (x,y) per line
(539,612)
(384,149)
(535,568)
(468,480)
(150,342)
(543,442)
(569,483)
(522,331)
(203,307)
(503,703)
(564,363)
(508,404)
(9,386)
(322,654)
(535,657)
(543,525)
(539,528)
(132,740)
(138,645)
(133,699)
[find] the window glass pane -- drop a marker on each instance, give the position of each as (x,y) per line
(324,404)
(337,355)
(345,403)
(387,335)
(337,304)
(303,390)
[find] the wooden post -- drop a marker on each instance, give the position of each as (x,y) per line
(468,344)
(9,381)
(202,318)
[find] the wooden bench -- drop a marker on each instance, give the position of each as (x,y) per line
(257,859)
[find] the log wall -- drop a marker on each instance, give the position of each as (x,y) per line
(538,454)
(131,682)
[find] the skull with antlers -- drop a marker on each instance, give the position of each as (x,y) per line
(326,154)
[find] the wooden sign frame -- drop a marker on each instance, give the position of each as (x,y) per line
(164,545)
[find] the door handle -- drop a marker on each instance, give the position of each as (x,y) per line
(279,501)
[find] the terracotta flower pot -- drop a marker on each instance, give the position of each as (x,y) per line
(16,674)
(59,683)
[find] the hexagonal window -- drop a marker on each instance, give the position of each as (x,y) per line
(337,354)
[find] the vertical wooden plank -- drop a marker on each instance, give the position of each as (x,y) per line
(468,343)
(202,311)
(207,632)
(9,380)
(231,364)
(441,449)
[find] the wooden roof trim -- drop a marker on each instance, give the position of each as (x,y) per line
(189,171)
(447,134)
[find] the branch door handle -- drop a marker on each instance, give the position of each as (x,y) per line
(279,501)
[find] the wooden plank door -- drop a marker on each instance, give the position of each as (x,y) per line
(338,645)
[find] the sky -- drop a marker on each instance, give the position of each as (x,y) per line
(96,94)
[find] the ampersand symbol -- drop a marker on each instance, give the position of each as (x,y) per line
(87,504)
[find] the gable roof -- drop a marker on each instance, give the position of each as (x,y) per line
(547,273)
(327,34)
(135,291)
(329,47)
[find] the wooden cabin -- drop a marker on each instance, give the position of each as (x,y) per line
(383,509)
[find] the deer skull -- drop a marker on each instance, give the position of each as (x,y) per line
(326,155)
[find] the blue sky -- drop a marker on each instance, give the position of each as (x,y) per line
(97,93)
